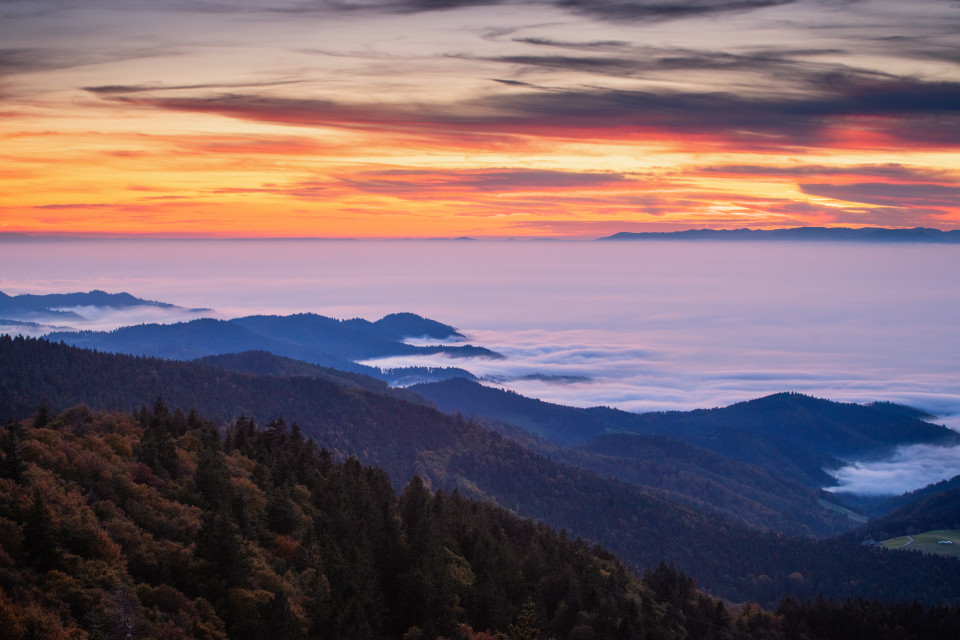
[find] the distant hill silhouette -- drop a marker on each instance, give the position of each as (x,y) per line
(801,234)
(309,337)
(409,325)
(28,306)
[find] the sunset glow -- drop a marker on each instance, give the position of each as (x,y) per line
(560,118)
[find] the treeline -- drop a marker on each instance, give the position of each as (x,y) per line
(155,525)
(448,452)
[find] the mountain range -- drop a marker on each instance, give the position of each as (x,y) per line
(801,234)
(405,438)
(307,337)
(789,434)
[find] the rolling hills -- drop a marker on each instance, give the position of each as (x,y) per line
(786,434)
(309,337)
(448,452)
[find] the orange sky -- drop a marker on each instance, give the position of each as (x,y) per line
(561,118)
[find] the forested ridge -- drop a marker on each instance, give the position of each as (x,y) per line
(407,439)
(157,525)
(940,510)
(696,477)
(794,435)
(306,336)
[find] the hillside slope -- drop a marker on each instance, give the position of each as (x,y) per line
(448,452)
(309,337)
(786,434)
(153,526)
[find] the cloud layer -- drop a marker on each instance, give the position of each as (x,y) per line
(654,326)
(910,468)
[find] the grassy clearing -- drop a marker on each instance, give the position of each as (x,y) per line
(944,542)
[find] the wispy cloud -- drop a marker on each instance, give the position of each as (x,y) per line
(802,68)
(609,10)
(904,112)
(909,468)
(894,171)
(658,10)
(156,86)
(425,183)
(890,194)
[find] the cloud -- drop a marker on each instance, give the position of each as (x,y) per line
(890,194)
(20,60)
(589,64)
(804,69)
(594,44)
(91,318)
(893,171)
(662,326)
(156,86)
(250,145)
(607,10)
(109,318)
(414,182)
(77,205)
(909,468)
(847,112)
(660,10)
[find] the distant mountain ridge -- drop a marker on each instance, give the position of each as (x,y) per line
(309,337)
(29,306)
(802,234)
(789,434)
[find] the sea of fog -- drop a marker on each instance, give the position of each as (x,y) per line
(636,325)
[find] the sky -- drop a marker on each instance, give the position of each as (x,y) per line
(481,118)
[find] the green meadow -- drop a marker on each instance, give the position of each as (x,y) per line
(944,542)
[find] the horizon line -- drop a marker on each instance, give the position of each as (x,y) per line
(55,236)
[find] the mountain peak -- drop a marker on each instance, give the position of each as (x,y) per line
(410,325)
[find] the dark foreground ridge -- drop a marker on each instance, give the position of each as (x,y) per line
(802,234)
(448,452)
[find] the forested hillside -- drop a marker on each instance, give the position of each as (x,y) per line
(940,510)
(306,336)
(155,525)
(789,434)
(265,363)
(449,452)
(118,526)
